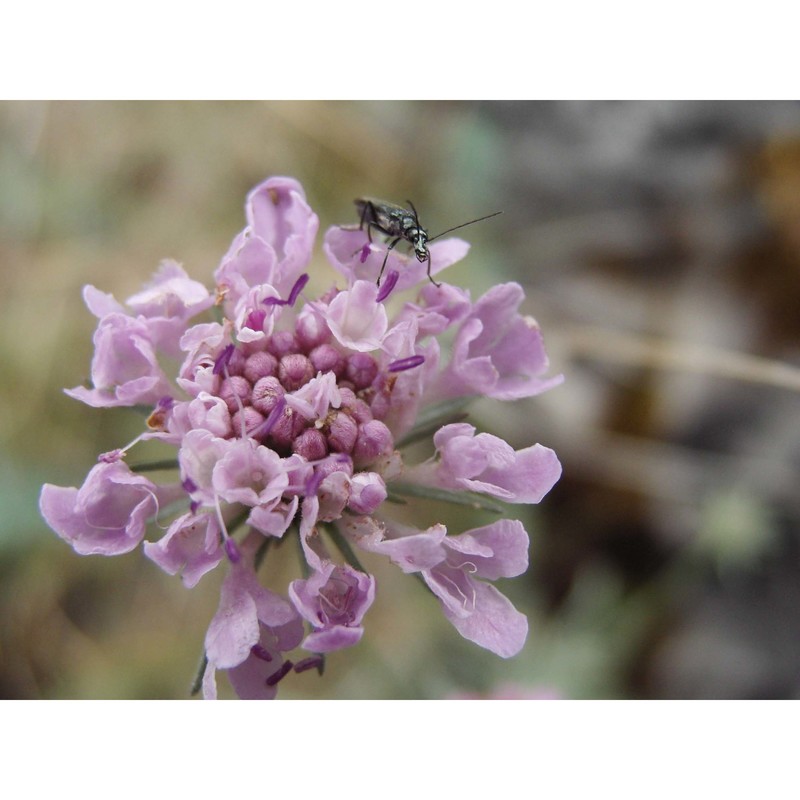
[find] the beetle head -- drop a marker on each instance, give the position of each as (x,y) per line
(421,246)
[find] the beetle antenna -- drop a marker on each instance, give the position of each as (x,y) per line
(463,225)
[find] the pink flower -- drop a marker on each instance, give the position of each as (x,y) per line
(356,319)
(125,369)
(288,416)
(107,515)
(247,636)
(334,600)
(450,566)
(497,352)
(190,546)
(487,464)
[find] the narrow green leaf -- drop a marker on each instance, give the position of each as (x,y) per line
(155,466)
(344,547)
(470,499)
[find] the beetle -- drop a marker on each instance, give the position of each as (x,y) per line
(401,224)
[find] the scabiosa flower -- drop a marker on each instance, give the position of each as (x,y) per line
(289,414)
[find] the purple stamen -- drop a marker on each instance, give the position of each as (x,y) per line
(387,285)
(193,506)
(269,423)
(314,482)
(166,403)
(313,662)
(222,360)
(406,363)
(276,676)
(260,652)
(365,251)
(232,551)
(189,485)
(298,287)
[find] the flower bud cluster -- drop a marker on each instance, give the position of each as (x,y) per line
(260,378)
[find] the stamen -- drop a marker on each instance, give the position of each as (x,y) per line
(387,285)
(189,485)
(365,251)
(298,287)
(464,598)
(260,652)
(313,662)
(232,551)
(277,676)
(221,364)
(269,423)
(406,363)
(314,482)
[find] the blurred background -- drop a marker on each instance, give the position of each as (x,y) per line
(659,246)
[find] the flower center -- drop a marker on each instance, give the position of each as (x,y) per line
(263,385)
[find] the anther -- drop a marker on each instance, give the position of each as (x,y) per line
(261,652)
(222,360)
(406,363)
(388,285)
(277,676)
(313,662)
(268,424)
(298,287)
(232,551)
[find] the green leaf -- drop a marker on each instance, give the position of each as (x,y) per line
(155,466)
(470,499)
(344,547)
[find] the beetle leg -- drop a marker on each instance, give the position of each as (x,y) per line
(383,266)
(369,207)
(430,277)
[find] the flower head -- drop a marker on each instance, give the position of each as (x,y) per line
(286,416)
